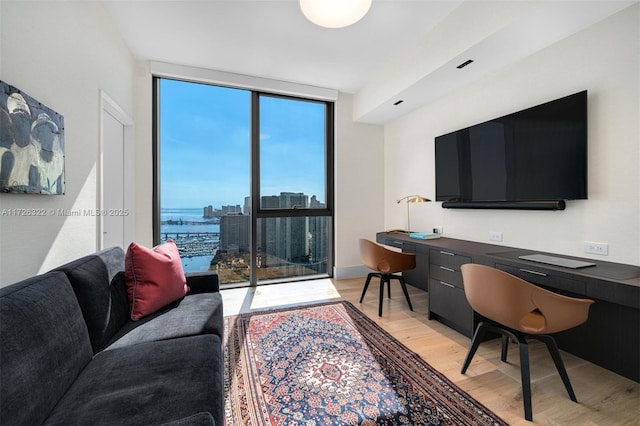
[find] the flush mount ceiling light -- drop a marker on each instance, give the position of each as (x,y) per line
(334,13)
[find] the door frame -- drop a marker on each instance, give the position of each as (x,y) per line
(111,107)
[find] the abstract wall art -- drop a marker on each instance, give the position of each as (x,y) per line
(31,145)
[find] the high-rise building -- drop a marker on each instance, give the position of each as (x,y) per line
(231,209)
(318,231)
(267,234)
(295,229)
(247,206)
(280,240)
(284,240)
(208,212)
(234,233)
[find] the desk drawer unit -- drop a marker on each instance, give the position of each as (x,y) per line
(449,259)
(447,301)
(544,279)
(446,274)
(449,305)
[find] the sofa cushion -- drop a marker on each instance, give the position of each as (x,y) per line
(98,282)
(44,345)
(202,282)
(154,277)
(147,384)
(191,316)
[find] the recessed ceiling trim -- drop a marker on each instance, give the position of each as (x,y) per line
(518,37)
(240,81)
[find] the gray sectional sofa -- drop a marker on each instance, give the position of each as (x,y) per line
(70,355)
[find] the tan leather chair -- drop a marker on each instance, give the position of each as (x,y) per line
(519,310)
(386,263)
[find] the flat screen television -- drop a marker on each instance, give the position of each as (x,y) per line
(535,155)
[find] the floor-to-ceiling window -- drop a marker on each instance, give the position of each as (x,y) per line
(292,186)
(243,181)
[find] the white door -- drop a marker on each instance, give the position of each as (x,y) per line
(115,211)
(113,208)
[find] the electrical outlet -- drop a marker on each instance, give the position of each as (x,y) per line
(437,229)
(596,248)
(495,236)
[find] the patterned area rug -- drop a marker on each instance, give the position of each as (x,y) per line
(329,364)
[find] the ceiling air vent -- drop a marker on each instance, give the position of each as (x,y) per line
(464,64)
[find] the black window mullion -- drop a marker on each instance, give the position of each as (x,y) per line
(329,136)
(255,183)
(155,126)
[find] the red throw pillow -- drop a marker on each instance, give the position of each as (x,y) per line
(154,278)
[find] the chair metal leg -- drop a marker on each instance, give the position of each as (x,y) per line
(406,293)
(507,334)
(525,374)
(526,378)
(382,281)
(475,342)
(366,284)
(505,348)
(553,350)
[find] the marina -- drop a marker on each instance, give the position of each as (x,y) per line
(192,244)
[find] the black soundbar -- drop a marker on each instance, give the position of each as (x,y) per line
(507,205)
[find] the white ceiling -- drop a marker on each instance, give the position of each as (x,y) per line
(272,39)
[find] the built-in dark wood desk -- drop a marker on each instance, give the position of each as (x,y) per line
(611,336)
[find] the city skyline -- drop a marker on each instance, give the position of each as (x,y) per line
(211,210)
(284,246)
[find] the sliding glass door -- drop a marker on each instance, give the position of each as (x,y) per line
(243,181)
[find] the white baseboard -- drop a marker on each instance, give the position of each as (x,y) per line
(346,272)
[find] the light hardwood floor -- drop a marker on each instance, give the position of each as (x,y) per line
(604,398)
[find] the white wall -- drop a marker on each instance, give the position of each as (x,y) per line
(143,105)
(605,60)
(359,175)
(61,54)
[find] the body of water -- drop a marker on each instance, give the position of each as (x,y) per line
(182,214)
(214,227)
(196,223)
(187,243)
(196,263)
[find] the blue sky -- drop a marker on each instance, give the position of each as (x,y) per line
(205,145)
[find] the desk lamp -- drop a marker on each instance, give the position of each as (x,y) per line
(410,200)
